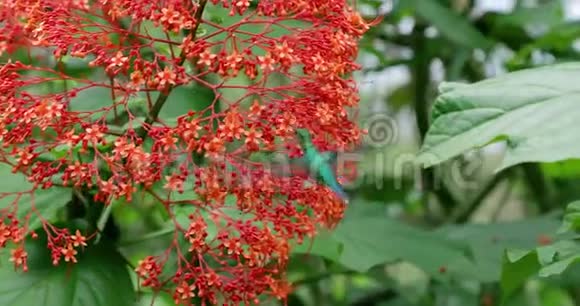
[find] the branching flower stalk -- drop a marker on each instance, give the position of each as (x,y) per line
(297,55)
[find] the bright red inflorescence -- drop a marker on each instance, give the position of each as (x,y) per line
(270,69)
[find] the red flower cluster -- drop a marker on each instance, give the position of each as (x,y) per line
(242,217)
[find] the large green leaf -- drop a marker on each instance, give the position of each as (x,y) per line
(92,99)
(324,245)
(182,99)
(157,299)
(186,98)
(453,26)
(569,169)
(536,111)
(516,271)
(559,38)
(571,222)
(489,242)
(544,261)
(369,241)
(364,240)
(100,278)
(15,189)
(549,14)
(551,295)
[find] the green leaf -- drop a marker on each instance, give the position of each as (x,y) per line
(23,55)
(369,241)
(558,41)
(559,37)
(92,99)
(100,278)
(569,169)
(571,220)
(187,98)
(44,202)
(323,244)
(490,241)
(156,299)
(516,272)
(544,261)
(364,240)
(516,255)
(401,97)
(573,207)
(555,296)
(559,267)
(518,107)
(453,26)
(75,67)
(181,100)
(556,258)
(549,14)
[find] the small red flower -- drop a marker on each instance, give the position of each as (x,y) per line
(19,257)
(78,239)
(69,253)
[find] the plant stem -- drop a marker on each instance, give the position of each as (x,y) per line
(149,236)
(102,222)
(462,214)
(538,186)
(163,96)
(502,201)
(421,76)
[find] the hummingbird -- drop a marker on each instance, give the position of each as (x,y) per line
(319,164)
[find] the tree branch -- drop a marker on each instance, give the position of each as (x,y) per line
(163,96)
(463,213)
(538,186)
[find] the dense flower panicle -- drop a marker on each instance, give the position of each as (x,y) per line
(242,215)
